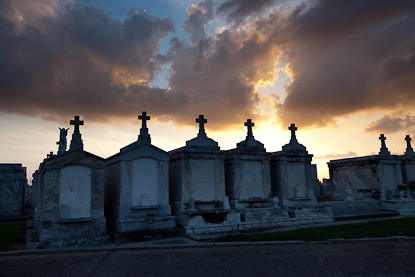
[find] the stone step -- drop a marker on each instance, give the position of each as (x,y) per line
(365,216)
(146,235)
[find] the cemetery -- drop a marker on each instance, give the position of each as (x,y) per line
(143,191)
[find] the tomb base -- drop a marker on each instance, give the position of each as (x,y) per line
(323,212)
(269,219)
(255,218)
(251,203)
(295,201)
(259,215)
(211,221)
(404,207)
(57,235)
(138,218)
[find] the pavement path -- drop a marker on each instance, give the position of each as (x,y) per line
(360,258)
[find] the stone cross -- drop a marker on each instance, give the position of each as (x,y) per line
(76,142)
(201,120)
(383,150)
(409,150)
(292,128)
(76,122)
(249,124)
(144,137)
(144,119)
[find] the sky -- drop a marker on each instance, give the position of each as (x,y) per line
(342,70)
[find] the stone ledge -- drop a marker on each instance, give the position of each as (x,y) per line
(151,207)
(74,220)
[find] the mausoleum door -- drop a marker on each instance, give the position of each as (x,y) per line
(144,182)
(75,192)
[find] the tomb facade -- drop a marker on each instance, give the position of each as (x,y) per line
(248,181)
(197,186)
(70,198)
(137,186)
(408,163)
(293,177)
(368,177)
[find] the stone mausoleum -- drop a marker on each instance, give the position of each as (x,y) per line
(13,185)
(81,198)
(197,186)
(137,186)
(70,198)
(384,177)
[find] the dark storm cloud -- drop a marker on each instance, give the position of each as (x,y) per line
(349,56)
(80,60)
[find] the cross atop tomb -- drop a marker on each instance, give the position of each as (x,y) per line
(76,142)
(409,150)
(383,150)
(249,124)
(76,122)
(292,128)
(144,137)
(201,120)
(202,139)
(144,119)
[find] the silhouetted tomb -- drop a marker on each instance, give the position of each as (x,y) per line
(137,186)
(70,202)
(384,177)
(197,186)
(248,182)
(292,174)
(367,176)
(13,184)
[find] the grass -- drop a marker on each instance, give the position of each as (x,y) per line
(11,233)
(371,229)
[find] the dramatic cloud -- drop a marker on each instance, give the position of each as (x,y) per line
(333,156)
(391,124)
(59,59)
(349,56)
(219,73)
(80,61)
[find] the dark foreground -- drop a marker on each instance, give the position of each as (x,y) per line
(372,258)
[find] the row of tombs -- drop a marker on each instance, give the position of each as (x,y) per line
(82,198)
